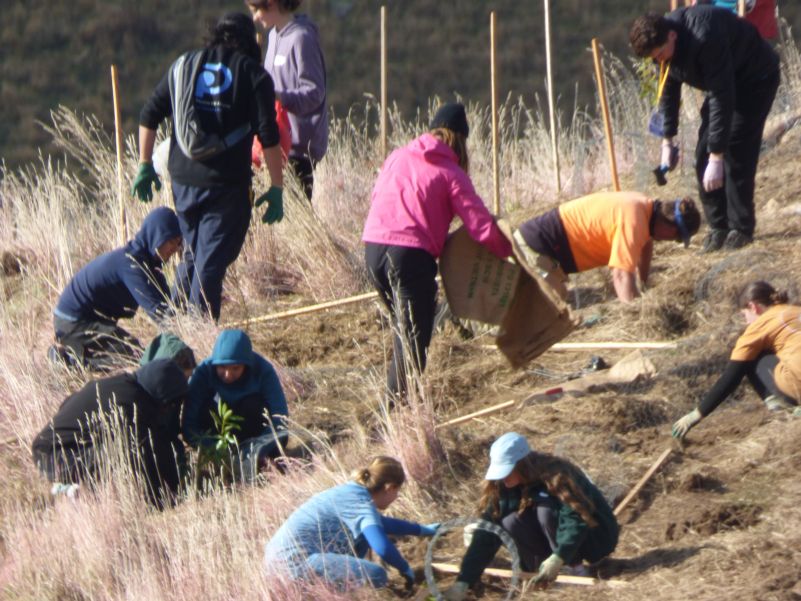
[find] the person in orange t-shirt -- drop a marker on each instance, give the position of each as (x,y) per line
(607,228)
(768,353)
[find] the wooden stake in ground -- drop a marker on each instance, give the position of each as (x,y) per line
(551,105)
(384,147)
(496,185)
(449,568)
(638,487)
(610,144)
(122,233)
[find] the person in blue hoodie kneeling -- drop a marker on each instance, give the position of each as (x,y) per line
(112,287)
(248,384)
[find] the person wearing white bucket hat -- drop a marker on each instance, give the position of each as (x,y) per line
(552,510)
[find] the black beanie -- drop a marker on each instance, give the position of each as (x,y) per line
(451,116)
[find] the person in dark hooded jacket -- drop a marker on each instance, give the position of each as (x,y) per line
(146,403)
(112,287)
(248,384)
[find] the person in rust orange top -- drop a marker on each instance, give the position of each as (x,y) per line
(607,228)
(768,353)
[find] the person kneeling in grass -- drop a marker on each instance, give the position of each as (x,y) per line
(112,287)
(551,509)
(329,535)
(72,448)
(247,383)
(768,353)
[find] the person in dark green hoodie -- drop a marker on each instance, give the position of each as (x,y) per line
(248,384)
(552,510)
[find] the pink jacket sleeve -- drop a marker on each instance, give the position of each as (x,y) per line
(476,217)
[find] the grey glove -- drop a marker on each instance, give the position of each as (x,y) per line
(457,592)
(549,569)
(686,423)
(713,175)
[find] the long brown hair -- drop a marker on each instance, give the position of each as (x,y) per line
(763,293)
(457,142)
(382,470)
(560,478)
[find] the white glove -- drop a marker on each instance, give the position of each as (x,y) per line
(670,154)
(713,175)
(549,569)
(457,592)
(686,423)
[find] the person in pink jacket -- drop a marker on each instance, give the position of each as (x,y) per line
(420,189)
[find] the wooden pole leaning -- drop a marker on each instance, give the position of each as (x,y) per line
(122,234)
(383,118)
(610,144)
(551,104)
(496,185)
(642,482)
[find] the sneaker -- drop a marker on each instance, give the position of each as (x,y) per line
(737,239)
(777,403)
(714,240)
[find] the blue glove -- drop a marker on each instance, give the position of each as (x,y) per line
(429,529)
(146,176)
(274,197)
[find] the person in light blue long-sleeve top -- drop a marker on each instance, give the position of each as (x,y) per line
(248,384)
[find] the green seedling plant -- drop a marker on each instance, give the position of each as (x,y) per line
(216,456)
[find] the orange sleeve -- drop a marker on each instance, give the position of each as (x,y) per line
(631,234)
(756,338)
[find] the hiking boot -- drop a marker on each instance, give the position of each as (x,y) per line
(776,403)
(713,241)
(737,239)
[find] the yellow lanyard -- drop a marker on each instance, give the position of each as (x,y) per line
(664,71)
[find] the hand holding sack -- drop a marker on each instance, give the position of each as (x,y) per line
(686,423)
(713,174)
(274,197)
(146,176)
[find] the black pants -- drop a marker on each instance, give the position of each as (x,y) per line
(99,345)
(732,206)
(406,276)
(760,375)
(534,533)
(303,168)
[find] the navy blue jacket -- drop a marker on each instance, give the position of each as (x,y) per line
(116,283)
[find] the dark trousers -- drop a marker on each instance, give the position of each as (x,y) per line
(97,344)
(760,375)
(406,276)
(66,464)
(303,168)
(732,206)
(214,223)
(534,533)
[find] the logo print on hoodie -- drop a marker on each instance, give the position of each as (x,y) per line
(213,81)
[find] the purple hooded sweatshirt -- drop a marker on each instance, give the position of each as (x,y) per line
(295,62)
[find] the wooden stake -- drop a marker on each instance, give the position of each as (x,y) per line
(122,234)
(305,310)
(450,568)
(589,346)
(551,105)
(610,144)
(384,147)
(638,487)
(496,185)
(499,407)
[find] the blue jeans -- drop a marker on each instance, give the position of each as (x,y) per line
(341,570)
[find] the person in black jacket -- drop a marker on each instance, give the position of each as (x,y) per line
(112,287)
(711,49)
(233,97)
(72,448)
(552,511)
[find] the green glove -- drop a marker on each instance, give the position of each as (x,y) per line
(274,197)
(146,176)
(549,569)
(686,423)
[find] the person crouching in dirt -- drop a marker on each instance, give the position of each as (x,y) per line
(617,229)
(329,535)
(768,353)
(249,386)
(112,287)
(420,189)
(134,411)
(554,513)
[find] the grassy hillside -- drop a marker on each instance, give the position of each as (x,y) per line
(59,54)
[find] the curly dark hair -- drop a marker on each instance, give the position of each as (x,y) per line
(237,32)
(648,33)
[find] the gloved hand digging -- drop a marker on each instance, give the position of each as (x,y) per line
(686,423)
(274,197)
(549,569)
(146,176)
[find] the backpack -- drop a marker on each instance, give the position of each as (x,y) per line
(193,140)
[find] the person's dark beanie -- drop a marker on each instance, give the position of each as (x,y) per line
(453,117)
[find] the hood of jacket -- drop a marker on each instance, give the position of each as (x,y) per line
(165,346)
(433,150)
(232,347)
(163,380)
(160,225)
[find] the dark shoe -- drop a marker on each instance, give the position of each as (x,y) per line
(713,241)
(736,239)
